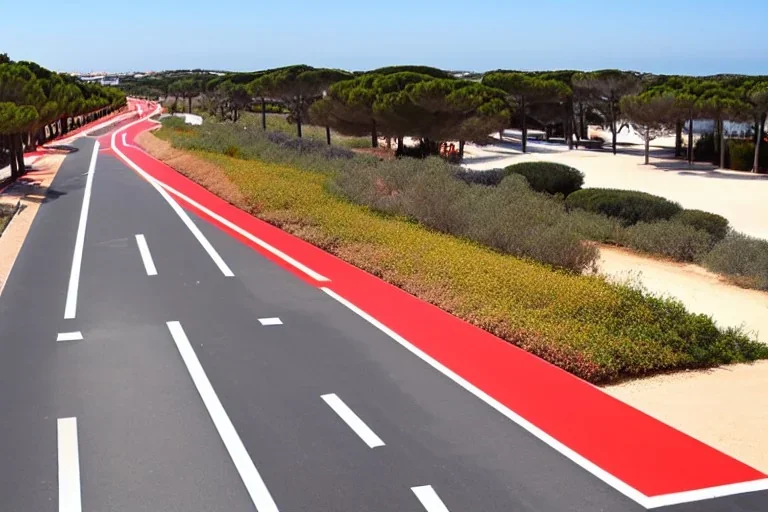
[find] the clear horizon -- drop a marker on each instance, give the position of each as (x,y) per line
(687,37)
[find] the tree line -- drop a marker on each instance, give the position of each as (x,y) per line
(37,105)
(431,106)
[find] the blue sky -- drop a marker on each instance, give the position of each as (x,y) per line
(673,36)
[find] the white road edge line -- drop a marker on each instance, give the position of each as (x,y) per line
(70,309)
(352,420)
(256,487)
(178,209)
(146,256)
(270,321)
(429,498)
(258,241)
(234,227)
(69,466)
(648,502)
(69,336)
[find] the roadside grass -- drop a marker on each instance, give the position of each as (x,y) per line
(6,213)
(4,219)
(595,330)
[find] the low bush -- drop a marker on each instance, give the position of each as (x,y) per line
(742,155)
(704,149)
(490,178)
(744,259)
(668,238)
(509,217)
(715,225)
(629,206)
(549,177)
(598,331)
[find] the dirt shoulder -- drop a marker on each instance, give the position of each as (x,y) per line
(724,407)
(28,193)
(700,290)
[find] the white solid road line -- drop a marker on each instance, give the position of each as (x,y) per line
(648,502)
(146,257)
(256,487)
(429,498)
(353,420)
(270,321)
(176,208)
(70,309)
(69,336)
(234,227)
(584,463)
(69,466)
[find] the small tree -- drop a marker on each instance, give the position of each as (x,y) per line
(758,99)
(525,90)
(653,113)
(608,87)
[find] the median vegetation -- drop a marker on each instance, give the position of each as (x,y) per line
(504,257)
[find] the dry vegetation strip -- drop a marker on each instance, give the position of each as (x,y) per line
(597,331)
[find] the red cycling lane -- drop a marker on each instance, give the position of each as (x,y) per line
(617,443)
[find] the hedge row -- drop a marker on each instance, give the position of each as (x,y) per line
(629,206)
(549,177)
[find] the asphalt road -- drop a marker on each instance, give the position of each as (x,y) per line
(180,398)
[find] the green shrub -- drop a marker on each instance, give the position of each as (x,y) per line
(715,225)
(743,258)
(704,149)
(232,151)
(629,206)
(549,177)
(668,238)
(742,155)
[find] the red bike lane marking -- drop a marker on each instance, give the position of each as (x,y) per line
(640,451)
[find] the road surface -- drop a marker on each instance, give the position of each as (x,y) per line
(152,362)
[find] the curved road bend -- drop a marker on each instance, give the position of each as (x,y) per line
(210,379)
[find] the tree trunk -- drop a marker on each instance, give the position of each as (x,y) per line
(582,121)
(20,153)
(690,141)
(760,123)
(678,138)
(399,145)
(190,104)
(263,114)
(722,145)
(374,136)
(461,148)
(501,135)
(647,144)
(716,139)
(613,127)
(328,134)
(524,125)
(12,154)
(567,128)
(298,125)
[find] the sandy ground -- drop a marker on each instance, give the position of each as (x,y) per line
(700,290)
(738,196)
(726,407)
(30,190)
